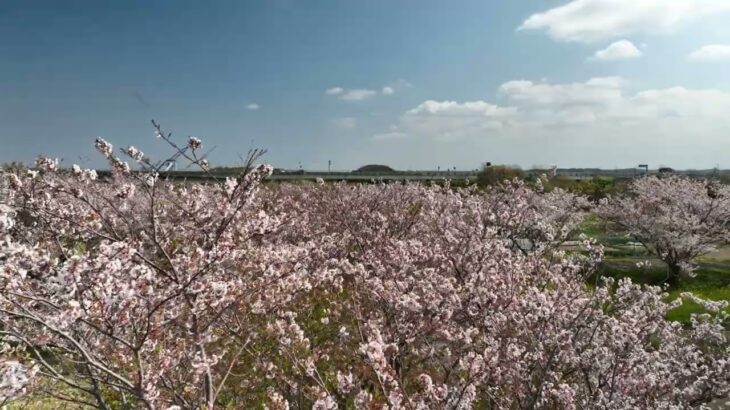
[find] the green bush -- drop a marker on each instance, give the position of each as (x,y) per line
(492,175)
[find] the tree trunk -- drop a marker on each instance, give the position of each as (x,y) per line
(675,272)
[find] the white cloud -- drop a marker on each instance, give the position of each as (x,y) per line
(357,94)
(455,109)
(594,91)
(598,109)
(619,50)
(389,136)
(344,122)
(253,107)
(451,119)
(595,20)
(334,91)
(711,53)
(680,102)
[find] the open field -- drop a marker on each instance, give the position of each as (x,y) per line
(622,254)
(712,281)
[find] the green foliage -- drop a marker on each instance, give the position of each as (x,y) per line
(14,167)
(496,174)
(712,281)
(683,313)
(375,168)
(595,189)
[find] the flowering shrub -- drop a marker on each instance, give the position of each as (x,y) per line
(134,291)
(676,218)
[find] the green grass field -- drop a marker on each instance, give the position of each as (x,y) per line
(622,255)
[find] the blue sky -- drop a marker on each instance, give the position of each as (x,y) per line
(413,84)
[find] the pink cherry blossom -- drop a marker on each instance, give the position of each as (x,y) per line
(676,218)
(235,293)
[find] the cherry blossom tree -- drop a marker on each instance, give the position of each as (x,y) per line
(134,291)
(15,379)
(532,218)
(676,218)
(119,289)
(446,313)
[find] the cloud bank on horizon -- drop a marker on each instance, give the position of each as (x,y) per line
(598,108)
(543,108)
